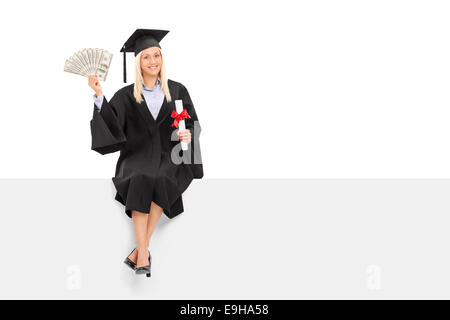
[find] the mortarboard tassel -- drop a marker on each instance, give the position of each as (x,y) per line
(124,66)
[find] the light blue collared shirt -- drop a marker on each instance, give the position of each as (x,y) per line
(153,97)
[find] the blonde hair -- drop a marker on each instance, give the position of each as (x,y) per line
(139,80)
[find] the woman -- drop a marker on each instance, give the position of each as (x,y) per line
(140,120)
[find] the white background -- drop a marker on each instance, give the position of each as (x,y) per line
(285,89)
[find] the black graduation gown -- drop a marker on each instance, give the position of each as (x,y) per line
(145,171)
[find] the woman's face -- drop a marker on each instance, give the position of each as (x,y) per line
(151,61)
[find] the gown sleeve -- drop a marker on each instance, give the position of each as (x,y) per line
(193,125)
(107,126)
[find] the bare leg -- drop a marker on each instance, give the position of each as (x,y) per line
(140,220)
(155,214)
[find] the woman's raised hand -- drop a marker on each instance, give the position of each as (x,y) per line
(94,83)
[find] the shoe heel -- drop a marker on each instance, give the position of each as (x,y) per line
(148,275)
(130,263)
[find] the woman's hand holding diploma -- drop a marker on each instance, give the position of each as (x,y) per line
(184,135)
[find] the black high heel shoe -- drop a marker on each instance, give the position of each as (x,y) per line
(146,269)
(130,263)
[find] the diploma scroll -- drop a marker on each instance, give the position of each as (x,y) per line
(181,125)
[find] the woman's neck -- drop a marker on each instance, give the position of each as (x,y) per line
(150,81)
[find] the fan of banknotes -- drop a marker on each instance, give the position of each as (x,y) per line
(89,61)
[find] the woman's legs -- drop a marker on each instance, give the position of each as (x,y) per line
(155,214)
(140,229)
(144,225)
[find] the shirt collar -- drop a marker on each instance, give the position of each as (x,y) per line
(158,84)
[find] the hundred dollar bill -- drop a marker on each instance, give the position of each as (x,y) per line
(103,66)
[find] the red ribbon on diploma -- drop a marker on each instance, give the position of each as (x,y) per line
(178,117)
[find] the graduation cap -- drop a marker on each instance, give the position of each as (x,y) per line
(140,40)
